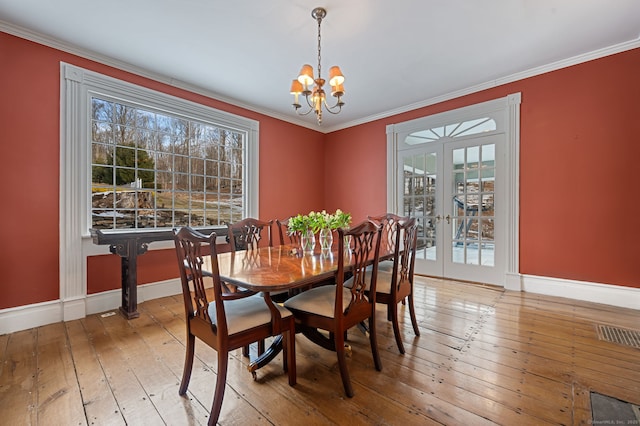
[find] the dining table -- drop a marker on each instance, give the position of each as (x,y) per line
(272,270)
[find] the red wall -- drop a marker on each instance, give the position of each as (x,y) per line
(579,147)
(290,164)
(579,155)
(29,152)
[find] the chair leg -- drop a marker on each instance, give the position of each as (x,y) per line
(221,381)
(412,312)
(342,363)
(374,341)
(290,355)
(188,364)
(396,327)
(285,351)
(245,351)
(260,347)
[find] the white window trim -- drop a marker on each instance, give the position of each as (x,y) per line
(76,88)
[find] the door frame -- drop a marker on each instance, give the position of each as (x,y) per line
(510,107)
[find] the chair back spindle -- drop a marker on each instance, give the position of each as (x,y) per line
(364,248)
(247,233)
(388,221)
(286,237)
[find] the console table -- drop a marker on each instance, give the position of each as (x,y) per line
(129,244)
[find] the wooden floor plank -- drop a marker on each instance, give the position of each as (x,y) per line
(133,400)
(484,356)
(100,405)
(236,409)
(18,383)
(59,399)
(151,373)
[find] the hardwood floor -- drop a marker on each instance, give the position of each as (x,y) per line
(485,356)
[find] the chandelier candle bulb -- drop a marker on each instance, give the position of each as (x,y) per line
(306,76)
(296,89)
(335,76)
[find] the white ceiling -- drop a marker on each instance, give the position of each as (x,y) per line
(395,55)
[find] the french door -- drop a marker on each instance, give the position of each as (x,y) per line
(453,188)
(457,173)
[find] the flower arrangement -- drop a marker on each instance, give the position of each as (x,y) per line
(340,219)
(315,221)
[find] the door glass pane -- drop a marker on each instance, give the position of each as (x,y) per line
(419,200)
(486,208)
(473,171)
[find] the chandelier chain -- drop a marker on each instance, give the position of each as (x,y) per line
(319,38)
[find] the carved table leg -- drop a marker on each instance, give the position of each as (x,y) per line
(272,351)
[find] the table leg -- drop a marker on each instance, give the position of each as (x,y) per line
(321,340)
(274,349)
(129,251)
(129,305)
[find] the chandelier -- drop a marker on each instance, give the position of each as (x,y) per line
(311,88)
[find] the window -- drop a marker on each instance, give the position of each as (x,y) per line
(453,130)
(150,160)
(152,169)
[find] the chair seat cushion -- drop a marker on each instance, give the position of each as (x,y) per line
(318,301)
(383,281)
(385,266)
(246,313)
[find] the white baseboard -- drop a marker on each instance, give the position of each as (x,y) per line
(29,316)
(112,299)
(39,314)
(615,295)
(73,309)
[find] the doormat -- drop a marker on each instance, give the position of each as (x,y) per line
(606,410)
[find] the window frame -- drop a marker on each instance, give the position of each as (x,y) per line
(77,86)
(91,84)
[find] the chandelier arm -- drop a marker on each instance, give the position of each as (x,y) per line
(332,109)
(308,111)
(311,105)
(304,113)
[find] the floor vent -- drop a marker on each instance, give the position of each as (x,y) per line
(621,336)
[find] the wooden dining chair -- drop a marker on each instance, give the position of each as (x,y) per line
(388,237)
(335,308)
(246,234)
(396,285)
(230,321)
(283,232)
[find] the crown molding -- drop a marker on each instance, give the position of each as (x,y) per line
(105,60)
(54,43)
(554,66)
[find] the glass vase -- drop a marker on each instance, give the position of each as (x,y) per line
(347,244)
(307,241)
(326,238)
